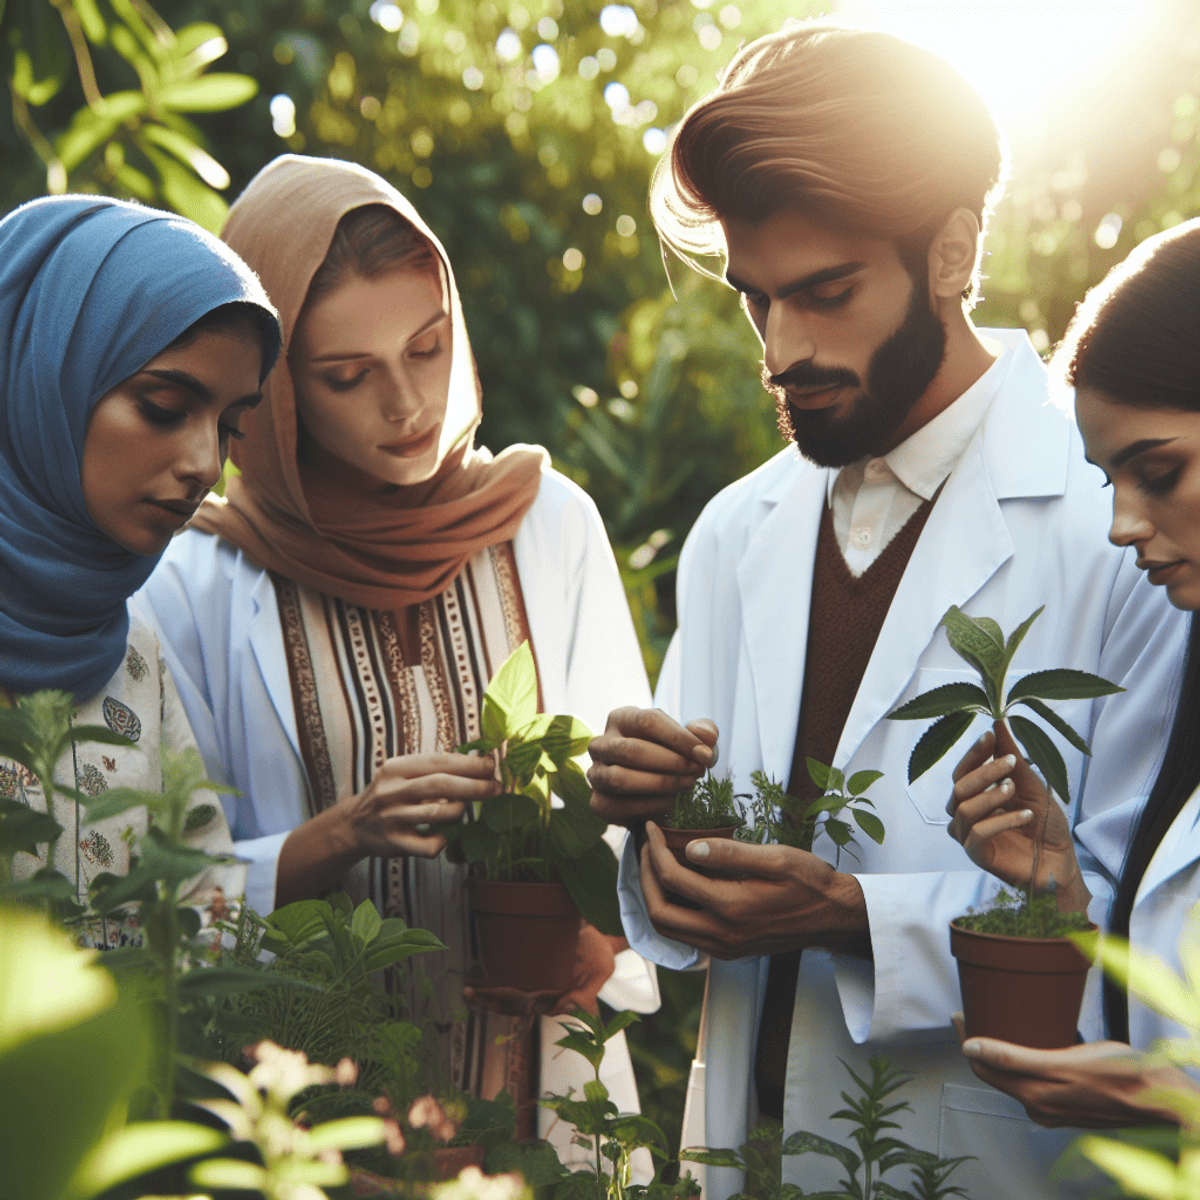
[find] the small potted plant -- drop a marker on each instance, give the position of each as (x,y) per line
(706,810)
(536,866)
(1022,977)
(782,818)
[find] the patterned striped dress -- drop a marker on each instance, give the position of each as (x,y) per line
(368,686)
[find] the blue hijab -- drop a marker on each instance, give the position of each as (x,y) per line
(91,289)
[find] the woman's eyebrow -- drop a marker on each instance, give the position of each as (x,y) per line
(1136,448)
(346,356)
(182,379)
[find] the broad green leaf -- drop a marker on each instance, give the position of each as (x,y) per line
(44,884)
(140,1147)
(209,93)
(98,734)
(1062,684)
(522,758)
(22,827)
(536,730)
(591,880)
(509,811)
(495,724)
(191,37)
(836,780)
(1145,975)
(712,1158)
(566,738)
(938,701)
(572,830)
(349,1133)
(299,922)
(936,741)
(1056,722)
(991,628)
(818,772)
(869,823)
(366,922)
(570,782)
(1044,755)
(386,952)
(860,781)
(514,688)
(475,841)
(838,832)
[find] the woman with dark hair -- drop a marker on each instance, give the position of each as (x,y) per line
(335,621)
(132,344)
(1133,356)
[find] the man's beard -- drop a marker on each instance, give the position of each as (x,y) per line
(901,368)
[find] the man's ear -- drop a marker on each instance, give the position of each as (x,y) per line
(953,255)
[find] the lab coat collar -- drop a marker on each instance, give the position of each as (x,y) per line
(1178,849)
(1021,450)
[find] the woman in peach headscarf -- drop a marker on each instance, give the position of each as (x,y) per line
(333,625)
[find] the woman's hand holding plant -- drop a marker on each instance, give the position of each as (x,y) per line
(1009,823)
(1095,1085)
(384,820)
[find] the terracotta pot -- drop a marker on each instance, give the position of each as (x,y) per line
(527,934)
(1023,990)
(677,840)
(448,1161)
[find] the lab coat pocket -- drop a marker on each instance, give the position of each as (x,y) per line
(931,792)
(993,1128)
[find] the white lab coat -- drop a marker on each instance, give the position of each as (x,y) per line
(1021,522)
(1169,891)
(216,616)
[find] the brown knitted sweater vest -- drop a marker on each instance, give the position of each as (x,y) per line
(845,618)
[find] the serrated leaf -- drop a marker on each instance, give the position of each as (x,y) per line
(1018,636)
(1062,684)
(860,781)
(936,741)
(818,772)
(938,701)
(1056,722)
(975,646)
(622,1020)
(1044,755)
(870,824)
(991,628)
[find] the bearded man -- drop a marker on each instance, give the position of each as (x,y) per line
(847,177)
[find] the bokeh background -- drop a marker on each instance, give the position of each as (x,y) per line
(526,132)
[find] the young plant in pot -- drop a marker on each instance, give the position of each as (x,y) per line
(536,866)
(1021,975)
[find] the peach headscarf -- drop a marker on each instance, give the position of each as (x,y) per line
(381,551)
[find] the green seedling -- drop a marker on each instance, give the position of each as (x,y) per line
(980,642)
(781,818)
(520,835)
(877,1152)
(710,803)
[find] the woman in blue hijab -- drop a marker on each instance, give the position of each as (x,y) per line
(130,342)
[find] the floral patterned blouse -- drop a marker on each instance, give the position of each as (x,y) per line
(140,702)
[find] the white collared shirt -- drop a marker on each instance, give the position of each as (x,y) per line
(874,498)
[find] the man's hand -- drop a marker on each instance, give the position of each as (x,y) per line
(642,759)
(787,899)
(1097,1085)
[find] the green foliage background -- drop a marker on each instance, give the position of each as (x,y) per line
(649,400)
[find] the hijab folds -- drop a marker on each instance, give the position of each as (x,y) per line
(91,289)
(388,548)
